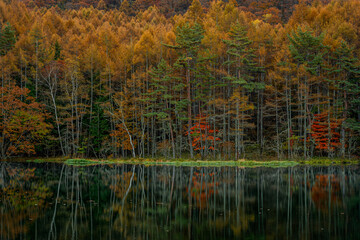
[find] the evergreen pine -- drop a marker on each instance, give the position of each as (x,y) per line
(7,39)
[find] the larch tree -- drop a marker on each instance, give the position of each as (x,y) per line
(144,79)
(37,39)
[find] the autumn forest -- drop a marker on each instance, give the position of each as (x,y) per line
(180,79)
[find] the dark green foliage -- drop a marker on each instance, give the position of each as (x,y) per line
(307,49)
(57,51)
(189,38)
(7,39)
(204,79)
(188,41)
(347,72)
(98,130)
(160,95)
(241,57)
(188,44)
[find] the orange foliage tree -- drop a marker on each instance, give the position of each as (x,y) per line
(22,121)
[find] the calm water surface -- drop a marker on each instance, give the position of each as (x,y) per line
(54,201)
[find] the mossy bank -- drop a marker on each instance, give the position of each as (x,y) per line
(205,163)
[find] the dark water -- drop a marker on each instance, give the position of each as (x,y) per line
(54,201)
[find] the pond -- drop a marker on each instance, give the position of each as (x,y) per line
(56,201)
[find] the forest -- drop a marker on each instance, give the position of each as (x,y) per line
(180,79)
(282,8)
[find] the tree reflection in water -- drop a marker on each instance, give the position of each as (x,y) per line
(54,201)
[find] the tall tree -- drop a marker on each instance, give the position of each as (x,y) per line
(241,67)
(345,75)
(161,100)
(188,42)
(308,53)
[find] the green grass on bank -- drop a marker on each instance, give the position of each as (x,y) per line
(204,163)
(207,163)
(322,161)
(82,162)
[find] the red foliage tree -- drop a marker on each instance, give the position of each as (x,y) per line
(324,132)
(203,133)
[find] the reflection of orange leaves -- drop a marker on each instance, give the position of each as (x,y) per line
(320,191)
(13,226)
(202,190)
(24,175)
(22,200)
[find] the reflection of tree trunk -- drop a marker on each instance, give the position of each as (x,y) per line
(52,225)
(128,190)
(258,196)
(305,200)
(277,203)
(288,222)
(224,197)
(112,200)
(77,201)
(190,202)
(329,195)
(201,187)
(214,195)
(262,183)
(91,214)
(172,187)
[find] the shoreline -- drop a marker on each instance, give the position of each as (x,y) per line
(196,163)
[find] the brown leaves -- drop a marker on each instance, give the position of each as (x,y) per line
(22,121)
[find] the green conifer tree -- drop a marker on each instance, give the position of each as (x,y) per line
(346,72)
(188,43)
(7,39)
(242,67)
(308,51)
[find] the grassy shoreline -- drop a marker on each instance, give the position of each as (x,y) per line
(203,163)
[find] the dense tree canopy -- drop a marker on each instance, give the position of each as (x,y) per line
(233,79)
